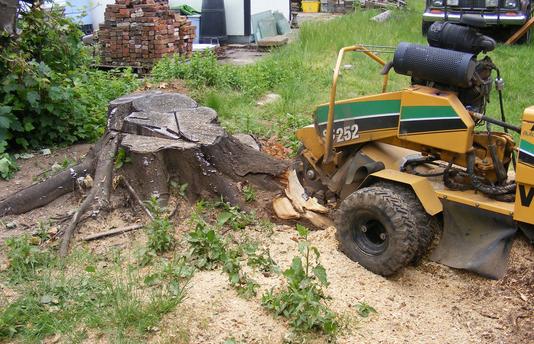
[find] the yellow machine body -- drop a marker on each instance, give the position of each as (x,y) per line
(390,126)
(524,200)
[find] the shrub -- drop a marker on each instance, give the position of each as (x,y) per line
(48,93)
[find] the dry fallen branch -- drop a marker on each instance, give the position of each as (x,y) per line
(113,232)
(131,191)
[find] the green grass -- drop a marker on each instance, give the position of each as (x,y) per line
(88,295)
(302,74)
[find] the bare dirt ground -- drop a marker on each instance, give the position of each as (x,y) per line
(429,303)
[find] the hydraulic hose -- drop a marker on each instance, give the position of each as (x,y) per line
(484,188)
(450,183)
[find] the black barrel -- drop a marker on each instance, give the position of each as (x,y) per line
(213,23)
(449,67)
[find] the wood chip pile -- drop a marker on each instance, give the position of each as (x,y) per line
(139,32)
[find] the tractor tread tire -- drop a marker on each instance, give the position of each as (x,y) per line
(394,213)
(428,227)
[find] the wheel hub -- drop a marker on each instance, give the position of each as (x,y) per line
(371,237)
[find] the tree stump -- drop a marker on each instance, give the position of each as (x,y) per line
(165,136)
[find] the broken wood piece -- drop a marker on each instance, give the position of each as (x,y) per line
(113,232)
(295,192)
(318,220)
(313,205)
(284,209)
(523,30)
(301,201)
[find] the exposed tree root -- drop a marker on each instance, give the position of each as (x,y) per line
(41,194)
(134,195)
(100,191)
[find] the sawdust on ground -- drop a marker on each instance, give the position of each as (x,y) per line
(425,304)
(429,303)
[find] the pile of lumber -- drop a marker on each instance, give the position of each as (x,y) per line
(139,32)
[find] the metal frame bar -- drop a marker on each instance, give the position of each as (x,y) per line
(370,52)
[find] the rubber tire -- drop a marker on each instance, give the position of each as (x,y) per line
(394,214)
(425,26)
(428,227)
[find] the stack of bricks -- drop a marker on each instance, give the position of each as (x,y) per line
(140,32)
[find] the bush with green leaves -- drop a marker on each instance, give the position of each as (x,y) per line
(303,301)
(49,94)
(8,166)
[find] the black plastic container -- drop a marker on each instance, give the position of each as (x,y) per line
(213,24)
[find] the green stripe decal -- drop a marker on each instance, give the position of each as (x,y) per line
(427,112)
(526,146)
(358,109)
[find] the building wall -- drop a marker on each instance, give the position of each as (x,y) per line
(234,9)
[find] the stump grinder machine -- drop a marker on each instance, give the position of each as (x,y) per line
(407,166)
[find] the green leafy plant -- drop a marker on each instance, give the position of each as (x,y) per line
(233,216)
(172,275)
(249,193)
(181,189)
(244,285)
(42,232)
(8,165)
(364,310)
(303,301)
(207,247)
(261,260)
(159,230)
(121,158)
(209,250)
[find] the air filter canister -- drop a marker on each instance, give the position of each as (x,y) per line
(452,68)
